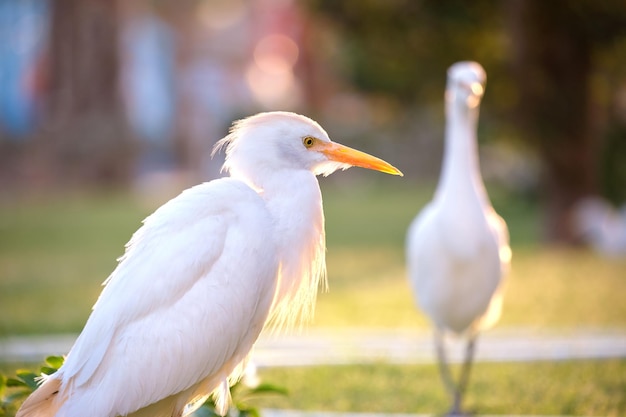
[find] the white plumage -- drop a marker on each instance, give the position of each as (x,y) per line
(457,247)
(202,277)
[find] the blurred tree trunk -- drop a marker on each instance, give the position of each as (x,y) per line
(85,137)
(552,66)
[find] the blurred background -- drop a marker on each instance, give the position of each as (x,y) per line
(98,92)
(110,107)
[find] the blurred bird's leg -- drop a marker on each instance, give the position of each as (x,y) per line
(444,370)
(456,391)
(465,374)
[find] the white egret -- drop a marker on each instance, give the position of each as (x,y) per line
(203,276)
(457,247)
(601,225)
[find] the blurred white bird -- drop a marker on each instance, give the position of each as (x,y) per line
(457,247)
(203,276)
(601,225)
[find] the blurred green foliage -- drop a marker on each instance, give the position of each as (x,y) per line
(15,389)
(401,50)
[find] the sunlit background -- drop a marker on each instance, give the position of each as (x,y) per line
(100,92)
(109,107)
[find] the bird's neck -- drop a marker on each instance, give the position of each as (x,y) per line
(461,170)
(295,202)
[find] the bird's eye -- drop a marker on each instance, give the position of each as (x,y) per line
(308,141)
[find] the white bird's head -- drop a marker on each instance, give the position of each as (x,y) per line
(275,141)
(466,83)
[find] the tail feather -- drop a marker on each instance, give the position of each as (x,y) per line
(44,402)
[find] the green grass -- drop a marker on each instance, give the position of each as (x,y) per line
(577,388)
(56,251)
(546,289)
(591,388)
(380,215)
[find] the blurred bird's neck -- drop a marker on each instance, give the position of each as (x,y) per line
(461,169)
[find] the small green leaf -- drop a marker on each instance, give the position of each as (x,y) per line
(249,412)
(3,385)
(48,370)
(269,389)
(55,362)
(29,378)
(13,382)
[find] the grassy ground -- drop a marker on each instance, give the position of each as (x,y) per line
(576,388)
(591,388)
(55,252)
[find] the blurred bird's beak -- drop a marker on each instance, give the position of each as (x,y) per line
(340,153)
(477,88)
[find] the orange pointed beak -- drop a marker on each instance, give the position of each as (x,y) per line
(340,153)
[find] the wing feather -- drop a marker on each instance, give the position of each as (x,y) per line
(185,304)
